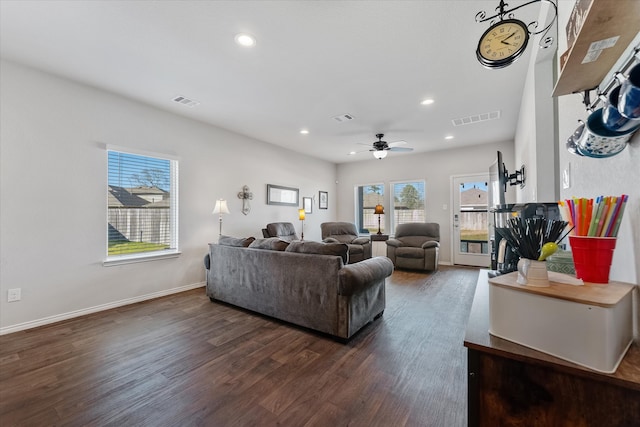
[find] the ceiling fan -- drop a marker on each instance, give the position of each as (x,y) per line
(381,147)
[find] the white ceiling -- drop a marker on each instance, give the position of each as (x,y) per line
(375,60)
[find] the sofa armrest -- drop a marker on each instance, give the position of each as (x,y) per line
(355,278)
(360,241)
(330,240)
(395,243)
(430,244)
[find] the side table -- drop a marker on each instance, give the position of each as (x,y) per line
(378,245)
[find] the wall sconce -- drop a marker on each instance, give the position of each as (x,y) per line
(379,210)
(301,216)
(220,208)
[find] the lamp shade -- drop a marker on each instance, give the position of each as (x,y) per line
(301,214)
(220,207)
(380,154)
(379,209)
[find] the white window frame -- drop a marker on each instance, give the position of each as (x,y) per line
(392,196)
(173,252)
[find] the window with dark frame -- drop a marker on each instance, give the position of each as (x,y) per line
(367,197)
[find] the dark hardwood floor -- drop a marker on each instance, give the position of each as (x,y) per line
(184,361)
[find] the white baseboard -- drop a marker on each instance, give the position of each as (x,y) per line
(102,307)
(444,263)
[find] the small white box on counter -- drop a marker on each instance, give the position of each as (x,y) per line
(588,325)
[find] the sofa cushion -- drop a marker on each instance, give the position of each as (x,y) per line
(355,249)
(339,230)
(330,240)
(342,238)
(319,248)
(235,241)
(408,252)
(283,230)
(361,240)
(271,243)
(415,241)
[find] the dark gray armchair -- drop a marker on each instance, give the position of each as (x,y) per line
(284,230)
(346,232)
(415,246)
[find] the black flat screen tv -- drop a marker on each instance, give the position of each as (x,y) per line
(497,182)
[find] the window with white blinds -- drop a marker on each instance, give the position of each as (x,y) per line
(142,208)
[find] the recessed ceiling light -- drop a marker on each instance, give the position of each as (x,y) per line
(427,101)
(448,137)
(351,153)
(304,131)
(246,40)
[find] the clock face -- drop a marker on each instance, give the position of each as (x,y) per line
(502,43)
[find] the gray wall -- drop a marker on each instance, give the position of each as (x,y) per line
(53,204)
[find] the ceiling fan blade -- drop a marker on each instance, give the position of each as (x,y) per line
(396,143)
(398,149)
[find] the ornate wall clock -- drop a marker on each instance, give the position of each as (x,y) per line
(502,43)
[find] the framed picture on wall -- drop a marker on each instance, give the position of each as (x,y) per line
(307,204)
(323,198)
(285,196)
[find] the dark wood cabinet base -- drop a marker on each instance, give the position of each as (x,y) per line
(512,385)
(505,392)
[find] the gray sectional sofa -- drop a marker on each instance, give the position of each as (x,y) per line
(306,283)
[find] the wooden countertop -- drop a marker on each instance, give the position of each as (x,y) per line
(590,293)
(478,338)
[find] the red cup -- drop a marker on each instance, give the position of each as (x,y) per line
(592,257)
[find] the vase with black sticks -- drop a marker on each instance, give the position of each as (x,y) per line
(533,239)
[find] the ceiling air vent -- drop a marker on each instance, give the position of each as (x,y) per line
(343,118)
(477,118)
(186,101)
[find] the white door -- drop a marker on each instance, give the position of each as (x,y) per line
(470,242)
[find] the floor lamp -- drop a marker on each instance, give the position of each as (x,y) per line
(220,208)
(301,216)
(379,210)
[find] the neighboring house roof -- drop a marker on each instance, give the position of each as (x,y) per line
(121,197)
(142,190)
(473,197)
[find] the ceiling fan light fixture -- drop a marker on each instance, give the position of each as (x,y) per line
(380,154)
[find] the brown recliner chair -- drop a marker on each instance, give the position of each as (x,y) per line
(346,232)
(415,246)
(284,230)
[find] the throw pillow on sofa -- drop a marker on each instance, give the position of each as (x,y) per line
(235,241)
(319,248)
(270,243)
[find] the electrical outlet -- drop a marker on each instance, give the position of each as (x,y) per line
(14,294)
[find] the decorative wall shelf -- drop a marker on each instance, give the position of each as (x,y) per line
(596,48)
